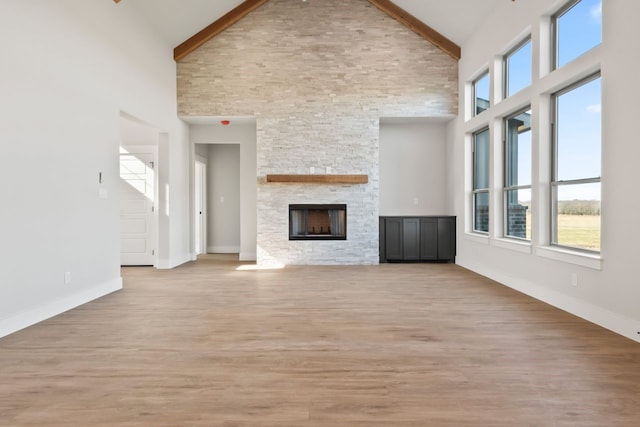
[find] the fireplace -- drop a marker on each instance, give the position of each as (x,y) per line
(317,222)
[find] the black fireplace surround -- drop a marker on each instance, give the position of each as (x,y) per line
(318,222)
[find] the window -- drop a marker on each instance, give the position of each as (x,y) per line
(481,181)
(517,175)
(576,173)
(481,93)
(517,68)
(577,28)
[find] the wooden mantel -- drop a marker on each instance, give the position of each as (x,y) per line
(319,179)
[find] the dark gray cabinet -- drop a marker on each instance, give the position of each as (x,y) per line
(422,238)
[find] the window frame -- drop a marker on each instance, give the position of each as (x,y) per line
(555,51)
(554,182)
(485,190)
(505,66)
(506,161)
(474,82)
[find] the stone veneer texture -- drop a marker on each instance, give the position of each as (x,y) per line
(317,75)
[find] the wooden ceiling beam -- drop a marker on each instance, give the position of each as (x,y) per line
(419,27)
(216,28)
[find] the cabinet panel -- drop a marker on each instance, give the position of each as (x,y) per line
(393,239)
(382,241)
(411,239)
(429,239)
(446,238)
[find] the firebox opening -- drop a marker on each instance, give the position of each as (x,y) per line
(317,222)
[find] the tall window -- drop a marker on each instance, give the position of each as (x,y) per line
(481,93)
(517,179)
(481,181)
(576,195)
(517,68)
(577,28)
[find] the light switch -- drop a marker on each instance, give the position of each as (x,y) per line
(103,193)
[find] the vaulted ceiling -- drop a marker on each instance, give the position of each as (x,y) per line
(178,20)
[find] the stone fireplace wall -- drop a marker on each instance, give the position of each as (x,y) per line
(317,75)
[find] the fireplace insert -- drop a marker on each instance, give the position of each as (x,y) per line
(317,222)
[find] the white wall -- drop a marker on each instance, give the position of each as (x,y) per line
(242,132)
(202,150)
(607,291)
(134,132)
(67,74)
(413,166)
(223,199)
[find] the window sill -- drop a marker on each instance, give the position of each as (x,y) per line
(477,238)
(593,261)
(513,245)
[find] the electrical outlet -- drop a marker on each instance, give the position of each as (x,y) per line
(416,201)
(67,277)
(574,280)
(312,170)
(328,170)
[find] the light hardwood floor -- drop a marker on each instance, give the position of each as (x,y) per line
(393,345)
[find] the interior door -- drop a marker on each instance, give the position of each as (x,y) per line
(137,193)
(200,188)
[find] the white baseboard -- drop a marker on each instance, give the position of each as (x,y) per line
(53,308)
(248,256)
(163,264)
(223,249)
(166,264)
(622,325)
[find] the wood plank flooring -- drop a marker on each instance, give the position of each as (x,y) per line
(393,345)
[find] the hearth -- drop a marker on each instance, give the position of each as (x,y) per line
(317,222)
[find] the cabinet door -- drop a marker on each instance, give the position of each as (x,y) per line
(428,239)
(447,238)
(393,239)
(411,239)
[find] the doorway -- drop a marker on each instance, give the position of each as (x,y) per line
(217,196)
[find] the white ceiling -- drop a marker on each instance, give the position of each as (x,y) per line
(177,20)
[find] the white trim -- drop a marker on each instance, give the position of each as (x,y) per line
(53,308)
(168,264)
(248,256)
(223,249)
(593,261)
(163,264)
(622,325)
(513,245)
(477,238)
